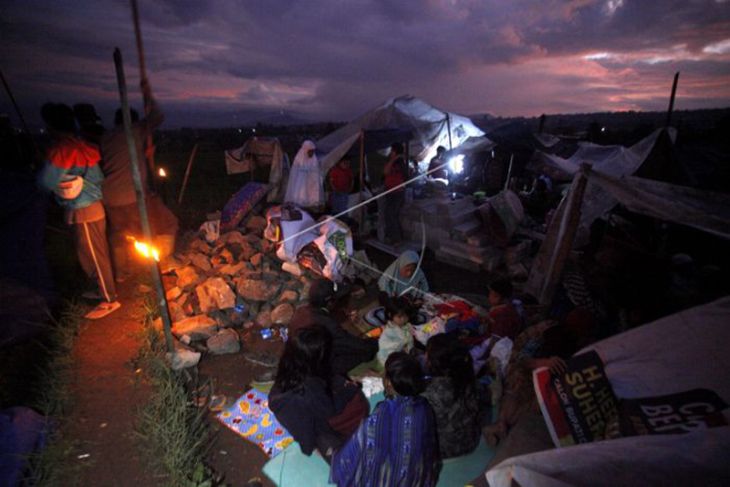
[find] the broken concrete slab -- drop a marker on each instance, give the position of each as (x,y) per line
(187,276)
(198,327)
(200,261)
(257,290)
(223,342)
(173,293)
(232,269)
(215,294)
(282,314)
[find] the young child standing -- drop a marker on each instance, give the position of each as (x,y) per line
(397,333)
(503,319)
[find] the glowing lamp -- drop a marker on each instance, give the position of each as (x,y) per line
(456,164)
(147,251)
(162,173)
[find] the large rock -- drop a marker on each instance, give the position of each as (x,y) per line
(225,341)
(256,260)
(199,327)
(176,311)
(231,237)
(183,357)
(256,224)
(282,314)
(221,258)
(263,319)
(256,290)
(200,261)
(187,276)
(232,269)
(200,246)
(215,294)
(173,293)
(289,295)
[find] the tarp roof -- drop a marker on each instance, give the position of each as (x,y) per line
(428,126)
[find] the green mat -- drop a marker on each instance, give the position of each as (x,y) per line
(291,468)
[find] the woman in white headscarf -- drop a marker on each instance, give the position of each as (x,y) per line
(305,188)
(403,276)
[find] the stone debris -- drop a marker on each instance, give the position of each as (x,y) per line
(187,276)
(282,314)
(256,290)
(199,327)
(215,294)
(223,342)
(201,262)
(183,357)
(173,294)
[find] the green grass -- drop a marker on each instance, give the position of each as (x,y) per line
(53,400)
(174,432)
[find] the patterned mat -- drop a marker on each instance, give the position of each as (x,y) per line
(251,418)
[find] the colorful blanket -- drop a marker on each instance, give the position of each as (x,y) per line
(251,418)
(241,204)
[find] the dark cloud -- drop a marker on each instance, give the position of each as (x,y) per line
(332,59)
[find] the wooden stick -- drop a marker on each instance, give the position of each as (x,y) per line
(187,174)
(671,98)
(15,104)
(150,152)
(509,171)
(361,213)
(141,204)
(448,127)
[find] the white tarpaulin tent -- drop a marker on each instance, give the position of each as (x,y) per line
(683,351)
(429,127)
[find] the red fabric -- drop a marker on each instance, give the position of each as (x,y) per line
(396,175)
(461,307)
(72,152)
(505,322)
(341,179)
(347,421)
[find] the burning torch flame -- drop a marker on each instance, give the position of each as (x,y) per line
(146,250)
(162,172)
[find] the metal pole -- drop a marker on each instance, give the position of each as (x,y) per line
(150,152)
(141,204)
(671,98)
(509,171)
(187,174)
(361,213)
(448,127)
(15,104)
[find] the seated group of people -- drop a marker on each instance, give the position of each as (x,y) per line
(433,407)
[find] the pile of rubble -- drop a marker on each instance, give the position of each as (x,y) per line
(234,282)
(458,237)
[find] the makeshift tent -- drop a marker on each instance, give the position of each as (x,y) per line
(680,352)
(259,152)
(429,127)
(703,210)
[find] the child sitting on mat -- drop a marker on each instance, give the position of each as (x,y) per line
(503,319)
(397,335)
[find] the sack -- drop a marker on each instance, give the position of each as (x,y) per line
(70,187)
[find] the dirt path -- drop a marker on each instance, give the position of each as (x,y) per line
(106,395)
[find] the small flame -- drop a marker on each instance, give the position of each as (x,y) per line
(162,172)
(146,250)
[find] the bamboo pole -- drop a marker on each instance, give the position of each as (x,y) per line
(448,127)
(568,228)
(141,204)
(187,174)
(150,152)
(671,98)
(361,213)
(15,104)
(509,171)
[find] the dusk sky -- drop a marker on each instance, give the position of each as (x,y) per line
(220,63)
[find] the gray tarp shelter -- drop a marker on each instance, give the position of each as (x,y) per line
(258,152)
(429,128)
(703,210)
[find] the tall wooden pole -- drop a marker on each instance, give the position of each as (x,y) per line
(150,145)
(448,127)
(15,104)
(509,171)
(141,204)
(187,174)
(671,98)
(361,214)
